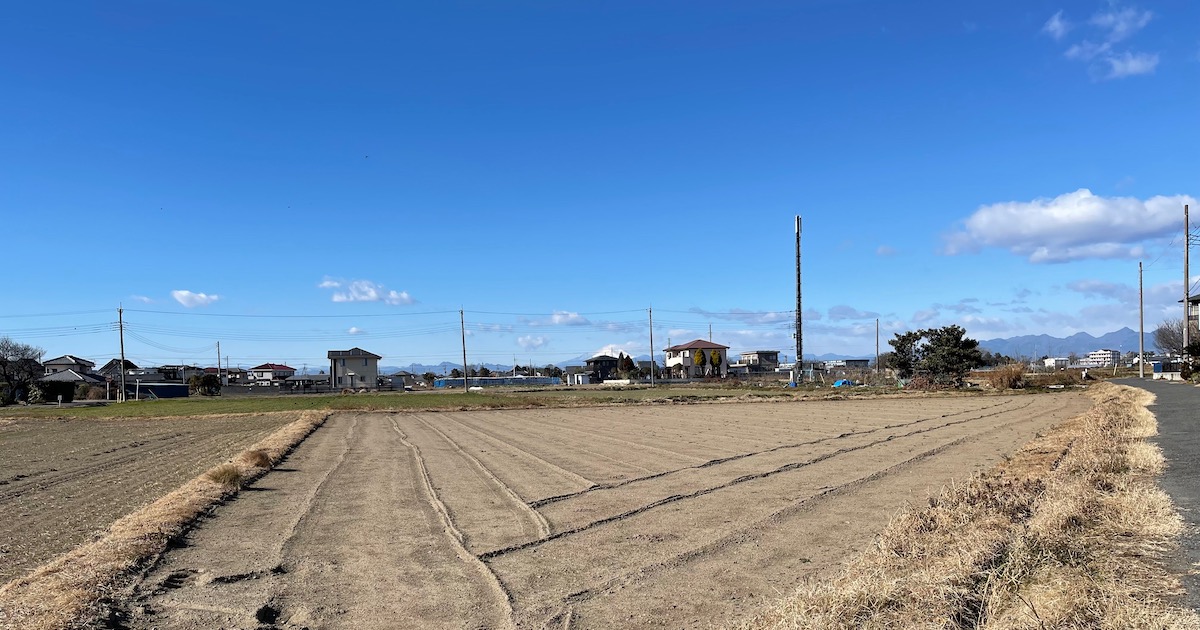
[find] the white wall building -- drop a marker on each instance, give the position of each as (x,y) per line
(1102,358)
(353,368)
(1056,362)
(697,359)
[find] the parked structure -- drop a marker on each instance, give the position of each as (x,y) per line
(697,359)
(68,362)
(759,360)
(1057,363)
(354,368)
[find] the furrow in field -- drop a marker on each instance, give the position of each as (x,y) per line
(768,451)
(597,559)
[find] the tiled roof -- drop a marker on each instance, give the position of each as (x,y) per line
(698,344)
(352,352)
(274,367)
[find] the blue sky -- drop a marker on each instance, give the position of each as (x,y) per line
(293,177)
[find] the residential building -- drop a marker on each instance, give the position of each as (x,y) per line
(760,360)
(353,368)
(403,379)
(602,367)
(1101,358)
(270,374)
(1056,362)
(112,369)
(697,359)
(71,376)
(68,362)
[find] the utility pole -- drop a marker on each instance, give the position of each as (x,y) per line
(1141,327)
(710,332)
(653,365)
(1187,280)
(121,327)
(462,322)
(799,323)
(877,346)
(219,379)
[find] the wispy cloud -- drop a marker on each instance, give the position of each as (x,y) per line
(1057,26)
(355,330)
(844,312)
(143,299)
(1108,29)
(364,291)
(192,300)
(885,250)
(747,316)
(1073,226)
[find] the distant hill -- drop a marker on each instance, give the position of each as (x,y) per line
(1034,346)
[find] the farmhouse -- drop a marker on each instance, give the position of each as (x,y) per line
(697,359)
(68,362)
(353,368)
(270,373)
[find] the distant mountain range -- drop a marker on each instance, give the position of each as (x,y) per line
(1034,346)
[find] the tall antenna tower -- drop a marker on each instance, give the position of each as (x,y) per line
(799,322)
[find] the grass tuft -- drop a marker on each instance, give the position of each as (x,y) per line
(255,458)
(227,475)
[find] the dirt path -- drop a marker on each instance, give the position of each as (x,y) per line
(482,520)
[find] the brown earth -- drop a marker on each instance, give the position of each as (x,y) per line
(682,516)
(64,481)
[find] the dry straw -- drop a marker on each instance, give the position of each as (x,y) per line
(70,590)
(1071,532)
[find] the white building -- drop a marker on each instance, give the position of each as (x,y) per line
(1102,358)
(1056,362)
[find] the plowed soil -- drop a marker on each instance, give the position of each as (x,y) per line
(62,482)
(678,516)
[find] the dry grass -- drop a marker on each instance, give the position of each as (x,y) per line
(70,590)
(226,475)
(1010,376)
(1068,533)
(255,458)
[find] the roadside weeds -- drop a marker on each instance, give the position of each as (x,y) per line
(1070,532)
(70,590)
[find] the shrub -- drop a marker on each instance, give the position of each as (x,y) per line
(1011,376)
(228,475)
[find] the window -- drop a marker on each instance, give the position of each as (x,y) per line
(364,363)
(342,362)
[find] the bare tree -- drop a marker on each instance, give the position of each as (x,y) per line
(19,366)
(1168,337)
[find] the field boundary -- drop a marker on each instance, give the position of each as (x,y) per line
(1071,531)
(74,588)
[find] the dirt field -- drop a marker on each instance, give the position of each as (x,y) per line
(64,481)
(680,516)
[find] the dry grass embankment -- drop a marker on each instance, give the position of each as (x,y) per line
(70,590)
(1068,533)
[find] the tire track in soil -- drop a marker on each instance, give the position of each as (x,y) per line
(518,452)
(457,539)
(541,527)
(722,460)
(348,533)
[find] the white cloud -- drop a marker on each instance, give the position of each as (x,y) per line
(365,291)
(355,330)
(841,312)
(885,250)
(568,318)
(1109,28)
(1072,226)
(143,299)
(529,342)
(1056,26)
(1128,64)
(680,333)
(1120,24)
(192,300)
(748,317)
(926,315)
